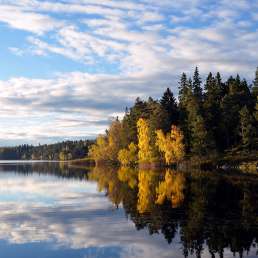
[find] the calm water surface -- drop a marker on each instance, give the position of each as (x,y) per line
(50,210)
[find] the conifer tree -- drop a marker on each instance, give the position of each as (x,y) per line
(168,103)
(199,136)
(183,89)
(247,128)
(211,108)
(255,85)
(185,96)
(197,89)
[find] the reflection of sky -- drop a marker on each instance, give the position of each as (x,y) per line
(46,216)
(55,217)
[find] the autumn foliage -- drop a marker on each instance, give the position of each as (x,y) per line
(146,151)
(128,156)
(171,145)
(210,117)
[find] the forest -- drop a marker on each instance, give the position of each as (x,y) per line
(209,118)
(66,150)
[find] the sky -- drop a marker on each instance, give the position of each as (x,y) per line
(68,67)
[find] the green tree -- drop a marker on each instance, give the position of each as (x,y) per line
(237,97)
(197,89)
(185,95)
(255,85)
(168,103)
(185,87)
(130,119)
(199,136)
(212,110)
(158,118)
(247,128)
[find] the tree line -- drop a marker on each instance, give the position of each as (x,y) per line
(66,150)
(208,118)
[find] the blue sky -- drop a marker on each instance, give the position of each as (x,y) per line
(68,67)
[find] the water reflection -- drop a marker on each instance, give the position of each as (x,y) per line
(208,212)
(52,210)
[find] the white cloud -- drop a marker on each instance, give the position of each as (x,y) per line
(16,51)
(148,43)
(70,214)
(29,21)
(69,105)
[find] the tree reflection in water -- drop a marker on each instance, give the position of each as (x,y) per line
(204,208)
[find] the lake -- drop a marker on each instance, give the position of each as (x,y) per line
(55,211)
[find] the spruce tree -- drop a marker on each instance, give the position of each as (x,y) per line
(185,94)
(255,85)
(197,89)
(211,108)
(247,128)
(168,103)
(199,136)
(183,89)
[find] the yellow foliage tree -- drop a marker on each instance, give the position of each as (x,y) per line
(146,151)
(128,156)
(114,140)
(147,182)
(172,188)
(171,145)
(98,151)
(107,146)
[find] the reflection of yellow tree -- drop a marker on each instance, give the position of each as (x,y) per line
(146,192)
(128,175)
(108,181)
(172,188)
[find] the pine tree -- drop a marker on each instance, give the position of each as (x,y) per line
(255,85)
(185,96)
(197,89)
(129,122)
(183,89)
(168,103)
(211,108)
(158,118)
(199,136)
(247,128)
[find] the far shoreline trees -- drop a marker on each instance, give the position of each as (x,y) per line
(66,150)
